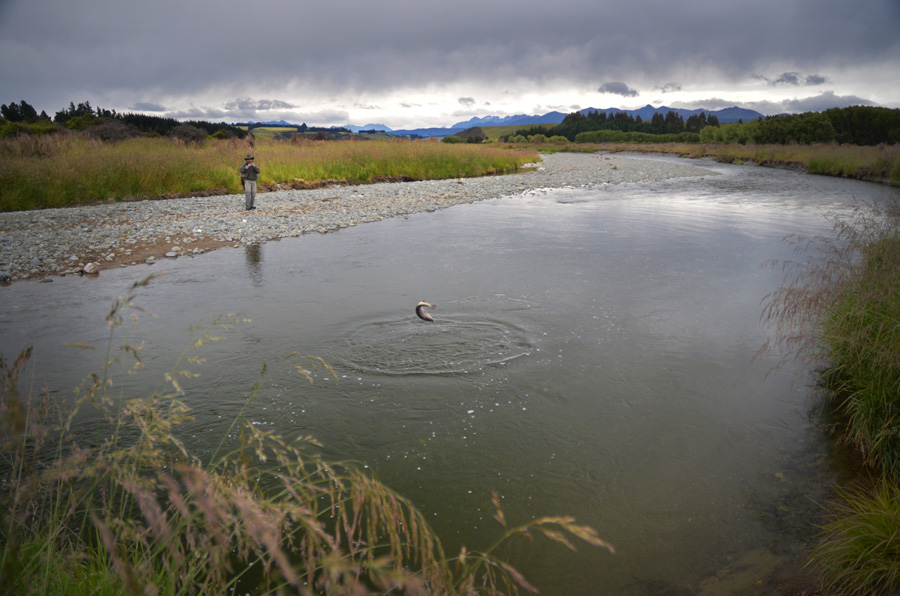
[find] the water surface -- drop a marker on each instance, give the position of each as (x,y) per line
(592,354)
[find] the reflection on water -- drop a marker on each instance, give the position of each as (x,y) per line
(592,355)
(253,255)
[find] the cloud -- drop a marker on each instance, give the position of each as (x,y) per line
(324,117)
(824,101)
(669,88)
(467,101)
(815,103)
(247,104)
(794,79)
(617,88)
(813,80)
(146,106)
(537,54)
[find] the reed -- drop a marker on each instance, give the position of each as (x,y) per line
(840,310)
(132,512)
(70,169)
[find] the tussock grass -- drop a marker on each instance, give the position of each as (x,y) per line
(840,310)
(859,551)
(69,169)
(130,511)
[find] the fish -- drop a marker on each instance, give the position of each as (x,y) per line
(421,312)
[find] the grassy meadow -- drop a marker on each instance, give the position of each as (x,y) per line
(38,172)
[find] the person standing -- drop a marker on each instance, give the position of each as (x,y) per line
(249,174)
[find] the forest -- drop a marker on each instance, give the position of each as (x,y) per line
(856,125)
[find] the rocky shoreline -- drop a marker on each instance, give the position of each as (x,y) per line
(78,240)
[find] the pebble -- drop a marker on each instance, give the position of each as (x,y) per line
(53,241)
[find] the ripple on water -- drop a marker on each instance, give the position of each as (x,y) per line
(458,344)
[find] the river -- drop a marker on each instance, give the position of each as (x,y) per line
(592,355)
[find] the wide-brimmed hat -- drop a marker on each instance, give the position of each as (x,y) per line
(248,158)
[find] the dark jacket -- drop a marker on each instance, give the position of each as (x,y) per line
(249,171)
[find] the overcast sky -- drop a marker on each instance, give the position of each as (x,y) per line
(416,63)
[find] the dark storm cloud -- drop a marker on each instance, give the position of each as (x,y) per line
(794,79)
(669,88)
(157,52)
(467,101)
(617,88)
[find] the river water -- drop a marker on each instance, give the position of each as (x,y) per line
(592,355)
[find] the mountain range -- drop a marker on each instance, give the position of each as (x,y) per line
(732,114)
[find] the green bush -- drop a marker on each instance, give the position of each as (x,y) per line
(81,122)
(452,139)
(13,129)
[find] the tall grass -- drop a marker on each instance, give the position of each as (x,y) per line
(840,310)
(127,509)
(859,550)
(70,169)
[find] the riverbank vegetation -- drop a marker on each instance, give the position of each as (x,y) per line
(840,311)
(879,163)
(856,125)
(101,496)
(43,171)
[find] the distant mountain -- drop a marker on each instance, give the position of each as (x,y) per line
(517,120)
(732,114)
(427,132)
(267,123)
(353,128)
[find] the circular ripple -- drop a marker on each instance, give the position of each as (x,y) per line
(394,347)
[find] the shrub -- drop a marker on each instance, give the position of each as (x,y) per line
(81,122)
(188,133)
(451,139)
(41,127)
(112,131)
(224,133)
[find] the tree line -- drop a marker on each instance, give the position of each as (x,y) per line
(22,118)
(855,125)
(576,123)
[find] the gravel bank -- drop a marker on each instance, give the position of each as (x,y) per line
(64,241)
